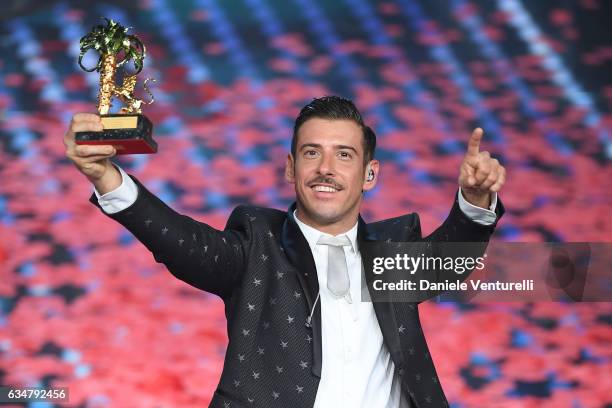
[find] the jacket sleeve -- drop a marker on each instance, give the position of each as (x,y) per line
(470,241)
(459,228)
(193,251)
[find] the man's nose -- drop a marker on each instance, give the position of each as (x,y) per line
(326,164)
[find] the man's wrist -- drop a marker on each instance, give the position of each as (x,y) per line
(477,199)
(110,181)
(483,216)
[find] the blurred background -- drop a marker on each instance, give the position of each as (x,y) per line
(83,305)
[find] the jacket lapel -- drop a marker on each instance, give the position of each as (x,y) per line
(298,252)
(385,311)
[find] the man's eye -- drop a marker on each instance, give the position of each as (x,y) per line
(310,153)
(345,155)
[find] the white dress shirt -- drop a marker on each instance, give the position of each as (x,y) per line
(357,370)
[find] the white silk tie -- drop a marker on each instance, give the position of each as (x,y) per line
(337,273)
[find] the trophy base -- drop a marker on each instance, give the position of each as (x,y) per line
(129,134)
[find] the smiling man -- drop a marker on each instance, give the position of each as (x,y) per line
(291,281)
(327,164)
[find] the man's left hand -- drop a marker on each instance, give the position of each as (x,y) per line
(480,174)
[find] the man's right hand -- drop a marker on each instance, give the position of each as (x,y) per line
(92,160)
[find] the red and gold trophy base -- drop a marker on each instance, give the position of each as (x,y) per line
(128,133)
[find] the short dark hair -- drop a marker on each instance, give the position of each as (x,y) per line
(335,107)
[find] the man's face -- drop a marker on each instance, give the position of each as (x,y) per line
(329,173)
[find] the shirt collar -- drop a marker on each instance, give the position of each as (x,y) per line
(312,234)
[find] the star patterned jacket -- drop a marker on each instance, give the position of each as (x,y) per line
(262,268)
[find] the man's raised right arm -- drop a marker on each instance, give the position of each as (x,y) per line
(193,251)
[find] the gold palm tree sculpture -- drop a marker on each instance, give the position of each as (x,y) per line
(110,41)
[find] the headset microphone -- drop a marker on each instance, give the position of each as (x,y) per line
(309,318)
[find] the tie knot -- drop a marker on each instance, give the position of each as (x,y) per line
(339,241)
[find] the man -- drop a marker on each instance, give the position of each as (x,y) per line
(298,334)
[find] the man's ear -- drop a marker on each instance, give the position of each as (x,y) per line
(289,169)
(371,175)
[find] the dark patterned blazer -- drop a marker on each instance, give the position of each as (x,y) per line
(263,269)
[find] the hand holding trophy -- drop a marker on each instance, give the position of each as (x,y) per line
(129,131)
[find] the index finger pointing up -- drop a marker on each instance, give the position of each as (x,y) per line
(474,143)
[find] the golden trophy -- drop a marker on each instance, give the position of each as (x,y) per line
(129,130)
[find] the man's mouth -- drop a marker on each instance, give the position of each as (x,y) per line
(325,185)
(325,188)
